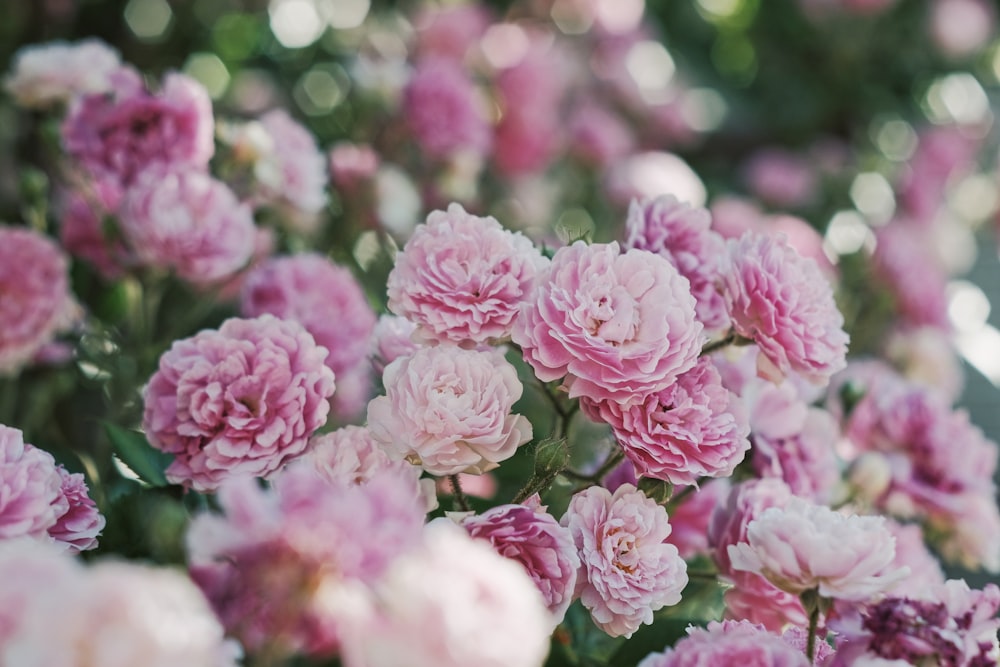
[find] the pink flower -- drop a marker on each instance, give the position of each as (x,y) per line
(960,28)
(188,222)
(352,165)
(35,301)
(804,459)
(619,326)
(268,562)
(681,234)
(241,400)
(628,569)
(444,111)
(450,31)
(729,643)
(448,410)
(462,278)
(391,339)
(782,302)
(119,135)
(598,136)
(694,428)
(755,599)
(532,537)
(692,515)
(327,301)
(912,552)
(81,523)
(293,171)
(82,219)
(31,497)
(56,72)
(906,266)
(453,603)
(781,178)
(803,546)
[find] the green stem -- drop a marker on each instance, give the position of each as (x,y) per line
(461,502)
(812,605)
(719,343)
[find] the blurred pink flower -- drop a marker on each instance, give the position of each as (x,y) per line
(391,339)
(912,552)
(805,459)
(293,172)
(755,599)
(781,178)
(56,72)
(462,278)
(782,302)
(802,546)
(598,136)
(729,643)
(240,400)
(189,222)
(905,265)
(692,429)
(31,496)
(619,326)
(83,215)
(628,569)
(352,165)
(444,111)
(448,410)
(960,28)
(692,515)
(35,301)
(450,31)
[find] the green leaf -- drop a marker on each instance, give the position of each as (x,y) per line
(134,450)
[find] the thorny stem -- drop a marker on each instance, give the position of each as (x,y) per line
(461,502)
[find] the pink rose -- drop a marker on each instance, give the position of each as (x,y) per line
(618,326)
(82,219)
(392,338)
(56,72)
(241,400)
(31,495)
(444,111)
(81,523)
(293,172)
(729,643)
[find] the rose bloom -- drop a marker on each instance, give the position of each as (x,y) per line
(119,135)
(391,339)
(692,515)
(618,326)
(448,410)
(628,569)
(452,603)
(462,278)
(83,215)
(31,495)
(267,562)
(81,523)
(599,136)
(682,234)
(532,537)
(782,302)
(54,73)
(444,111)
(692,429)
(450,31)
(803,546)
(904,265)
(188,222)
(729,643)
(240,400)
(294,171)
(781,178)
(35,301)
(352,165)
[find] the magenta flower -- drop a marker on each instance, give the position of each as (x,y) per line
(803,546)
(444,110)
(119,135)
(729,643)
(81,523)
(618,326)
(694,428)
(188,222)
(783,303)
(328,302)
(462,278)
(628,569)
(56,72)
(532,537)
(448,410)
(35,301)
(241,400)
(31,496)
(682,234)
(268,562)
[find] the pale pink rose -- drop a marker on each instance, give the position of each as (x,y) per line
(444,111)
(805,459)
(240,400)
(453,603)
(755,599)
(692,429)
(293,172)
(803,546)
(55,72)
(618,326)
(628,569)
(81,523)
(119,135)
(352,165)
(532,537)
(35,301)
(692,515)
(31,497)
(327,300)
(729,643)
(681,234)
(798,637)
(905,265)
(450,31)
(266,564)
(598,136)
(970,534)
(188,222)
(943,152)
(912,552)
(925,355)
(448,410)
(33,575)
(781,178)
(391,339)
(83,216)
(782,302)
(355,388)
(960,28)
(462,278)
(651,174)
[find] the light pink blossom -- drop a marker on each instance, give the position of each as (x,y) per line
(444,111)
(692,429)
(35,301)
(532,537)
(352,165)
(56,72)
(729,643)
(782,302)
(692,514)
(619,326)
(448,410)
(450,31)
(598,136)
(781,178)
(628,569)
(240,400)
(905,265)
(462,278)
(803,546)
(188,222)
(83,216)
(31,496)
(81,523)
(391,339)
